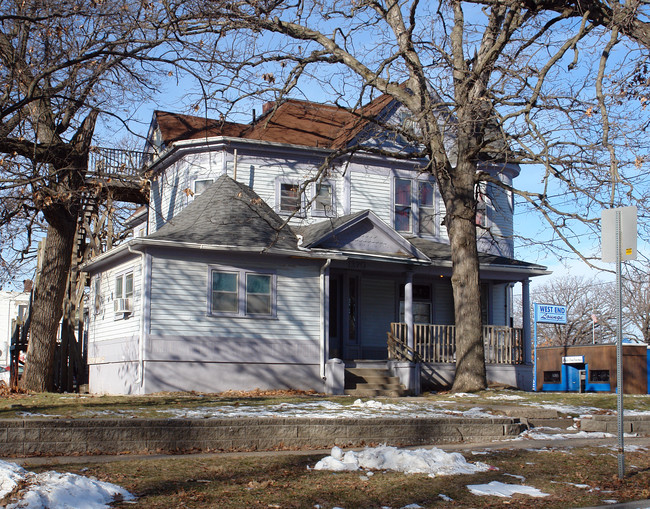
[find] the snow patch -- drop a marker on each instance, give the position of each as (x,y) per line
(504,490)
(421,461)
(56,491)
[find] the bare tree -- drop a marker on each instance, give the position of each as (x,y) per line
(636,301)
(511,83)
(61,65)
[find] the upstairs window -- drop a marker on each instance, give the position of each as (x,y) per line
(289,198)
(426,209)
(403,211)
(415,207)
(201,185)
(323,202)
(481,205)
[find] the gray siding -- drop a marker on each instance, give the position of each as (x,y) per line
(180,292)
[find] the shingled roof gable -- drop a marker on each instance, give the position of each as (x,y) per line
(229,214)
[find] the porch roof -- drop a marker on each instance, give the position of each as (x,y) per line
(440,253)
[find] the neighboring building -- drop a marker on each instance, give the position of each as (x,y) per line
(221,294)
(13,308)
(592,368)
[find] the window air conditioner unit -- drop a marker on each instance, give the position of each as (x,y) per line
(123,306)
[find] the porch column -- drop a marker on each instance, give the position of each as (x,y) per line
(408,309)
(525,320)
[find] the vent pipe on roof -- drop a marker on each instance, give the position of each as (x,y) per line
(253,115)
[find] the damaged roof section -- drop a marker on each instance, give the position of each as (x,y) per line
(291,121)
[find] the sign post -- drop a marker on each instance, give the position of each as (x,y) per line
(545,313)
(618,230)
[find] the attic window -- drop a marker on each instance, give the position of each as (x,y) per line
(201,185)
(289,197)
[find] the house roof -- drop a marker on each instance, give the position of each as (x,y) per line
(291,121)
(176,126)
(229,214)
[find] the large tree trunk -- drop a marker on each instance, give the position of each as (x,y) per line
(457,188)
(47,306)
(470,358)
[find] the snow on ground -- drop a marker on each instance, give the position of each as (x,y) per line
(500,489)
(535,434)
(418,461)
(328,409)
(54,490)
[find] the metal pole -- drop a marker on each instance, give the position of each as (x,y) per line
(619,350)
(535,350)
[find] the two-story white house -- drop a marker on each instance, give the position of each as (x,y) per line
(268,265)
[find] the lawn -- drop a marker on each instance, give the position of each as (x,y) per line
(165,405)
(572,477)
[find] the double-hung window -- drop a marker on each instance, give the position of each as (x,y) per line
(481,205)
(403,210)
(240,292)
(415,207)
(124,286)
(122,302)
(426,209)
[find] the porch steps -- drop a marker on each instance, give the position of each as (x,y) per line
(371,382)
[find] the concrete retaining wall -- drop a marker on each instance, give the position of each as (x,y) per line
(608,424)
(33,437)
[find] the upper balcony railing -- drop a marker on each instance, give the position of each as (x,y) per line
(116,163)
(437,343)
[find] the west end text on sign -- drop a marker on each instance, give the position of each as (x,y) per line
(550,313)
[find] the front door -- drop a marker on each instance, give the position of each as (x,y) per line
(344,317)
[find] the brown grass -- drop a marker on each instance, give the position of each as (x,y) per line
(284,481)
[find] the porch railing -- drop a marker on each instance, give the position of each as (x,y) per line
(437,343)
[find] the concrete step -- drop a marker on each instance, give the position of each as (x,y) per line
(377,386)
(373,393)
(372,382)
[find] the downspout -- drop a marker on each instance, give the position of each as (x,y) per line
(324,318)
(144,281)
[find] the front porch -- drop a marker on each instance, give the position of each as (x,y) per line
(432,343)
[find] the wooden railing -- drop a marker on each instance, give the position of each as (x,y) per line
(437,343)
(116,163)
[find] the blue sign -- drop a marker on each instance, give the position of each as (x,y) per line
(550,313)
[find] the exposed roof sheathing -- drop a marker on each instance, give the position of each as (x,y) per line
(292,121)
(176,126)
